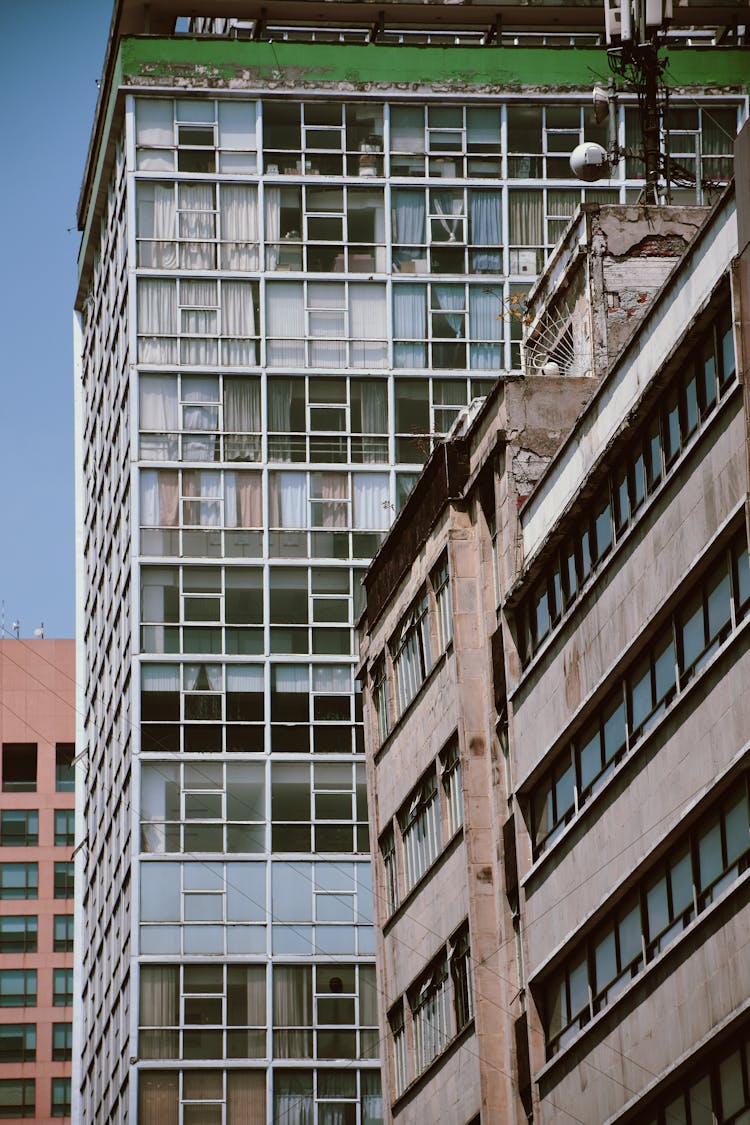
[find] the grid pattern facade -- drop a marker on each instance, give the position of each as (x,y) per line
(291,301)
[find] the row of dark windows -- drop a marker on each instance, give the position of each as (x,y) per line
(709,612)
(718,1093)
(18,1097)
(662,438)
(20,828)
(700,866)
(18,1042)
(21,880)
(18,988)
(19,933)
(19,767)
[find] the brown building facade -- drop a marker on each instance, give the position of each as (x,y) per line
(37,833)
(554,654)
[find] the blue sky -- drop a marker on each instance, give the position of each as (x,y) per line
(52,54)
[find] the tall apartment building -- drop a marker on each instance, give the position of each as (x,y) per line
(298,237)
(37,831)
(555,652)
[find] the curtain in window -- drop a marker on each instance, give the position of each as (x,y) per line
(293,1098)
(526,218)
(238,320)
(156,226)
(246,1097)
(197,226)
(202,677)
(160,1008)
(327,320)
(288,496)
(246,678)
(374,407)
(451,297)
(160,677)
(158,402)
(239,227)
(292,1002)
(285,313)
(159,497)
(158,1097)
(446,204)
(407,129)
(331,493)
(367,326)
(485,324)
(273,226)
(243,500)
(202,489)
(154,119)
(408,218)
(332,677)
(157,319)
(372,1098)
(371,501)
(409,324)
(290,678)
(242,419)
(280,416)
(486,230)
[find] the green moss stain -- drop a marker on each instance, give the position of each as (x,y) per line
(221,61)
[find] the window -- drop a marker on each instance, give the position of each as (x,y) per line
(17,1042)
(62,987)
(65,774)
(411,652)
(440,582)
(63,928)
(381,697)
(461,974)
(450,770)
(65,827)
(19,767)
(397,1025)
(60,1097)
(64,875)
(701,865)
(390,868)
(62,1042)
(716,1088)
(19,880)
(420,830)
(17,1097)
(431,1015)
(17,988)
(18,933)
(19,828)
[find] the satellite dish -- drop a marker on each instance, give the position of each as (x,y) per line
(590,162)
(601,104)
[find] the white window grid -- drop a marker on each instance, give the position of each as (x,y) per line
(189,135)
(327,421)
(197,407)
(318,807)
(334,324)
(397,1023)
(325,140)
(451,776)
(451,230)
(420,832)
(390,869)
(411,652)
(431,1016)
(188,321)
(440,583)
(462,977)
(325,228)
(321,909)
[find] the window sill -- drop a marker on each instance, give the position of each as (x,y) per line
(619,545)
(423,1077)
(630,755)
(402,719)
(551,1065)
(434,867)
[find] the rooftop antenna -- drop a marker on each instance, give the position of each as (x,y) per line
(634,35)
(16,628)
(40,631)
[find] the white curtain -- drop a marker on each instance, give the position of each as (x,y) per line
(485,325)
(374,407)
(239,227)
(159,495)
(327,319)
(367,326)
(288,500)
(202,677)
(155,218)
(291,678)
(273,226)
(447,204)
(408,218)
(371,501)
(203,491)
(285,318)
(242,419)
(372,1098)
(486,230)
(245,678)
(409,324)
(154,122)
(158,402)
(238,323)
(197,226)
(451,297)
(160,677)
(332,677)
(199,321)
(526,218)
(157,321)
(407,129)
(243,505)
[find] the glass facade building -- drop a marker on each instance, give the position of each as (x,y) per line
(286,297)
